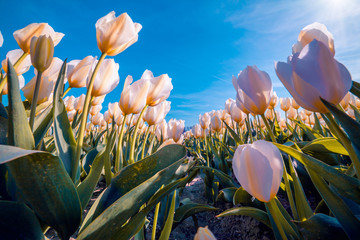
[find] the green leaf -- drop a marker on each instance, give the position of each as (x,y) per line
(18,222)
(310,133)
(258,214)
(3,124)
(42,123)
(233,134)
(190,208)
(347,186)
(19,132)
(242,196)
(45,186)
(134,174)
(90,156)
(227,194)
(104,226)
(325,145)
(355,88)
(64,137)
(165,233)
(224,179)
(321,226)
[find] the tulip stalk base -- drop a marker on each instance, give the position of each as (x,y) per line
(119,146)
(132,146)
(34,100)
(276,215)
(268,128)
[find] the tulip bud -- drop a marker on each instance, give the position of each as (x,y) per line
(259,168)
(216,123)
(41,52)
(196,130)
(228,104)
(236,114)
(114,35)
(203,233)
(156,114)
(204,120)
(254,89)
(273,101)
(175,129)
(292,114)
(314,73)
(294,104)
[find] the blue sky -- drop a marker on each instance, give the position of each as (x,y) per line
(200,44)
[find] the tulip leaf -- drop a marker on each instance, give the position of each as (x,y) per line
(256,213)
(233,134)
(189,208)
(90,156)
(64,137)
(134,174)
(347,186)
(86,188)
(18,221)
(127,205)
(226,194)
(356,112)
(321,226)
(3,124)
(45,186)
(355,88)
(224,179)
(165,233)
(42,124)
(310,133)
(325,145)
(242,196)
(19,132)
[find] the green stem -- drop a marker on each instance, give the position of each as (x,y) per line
(144,144)
(275,213)
(206,151)
(34,100)
(156,215)
(249,128)
(344,140)
(133,140)
(268,128)
(66,91)
(119,146)
(87,104)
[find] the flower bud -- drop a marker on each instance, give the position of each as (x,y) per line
(41,52)
(285,104)
(203,233)
(79,103)
(259,168)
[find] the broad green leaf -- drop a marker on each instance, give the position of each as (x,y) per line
(18,221)
(45,186)
(258,214)
(321,226)
(19,132)
(325,145)
(165,233)
(226,194)
(189,208)
(90,156)
(103,227)
(347,186)
(310,133)
(63,134)
(224,179)
(242,196)
(134,174)
(355,88)
(42,123)
(3,124)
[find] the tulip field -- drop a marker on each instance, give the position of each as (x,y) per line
(69,170)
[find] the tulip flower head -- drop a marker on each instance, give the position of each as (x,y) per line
(79,103)
(285,104)
(228,104)
(159,89)
(204,120)
(115,34)
(259,168)
(273,101)
(175,129)
(78,71)
(24,36)
(314,73)
(254,90)
(313,31)
(13,56)
(156,114)
(196,131)
(41,52)
(203,233)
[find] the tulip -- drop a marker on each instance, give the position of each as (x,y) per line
(294,104)
(236,114)
(107,117)
(159,89)
(204,120)
(196,130)
(313,31)
(79,71)
(254,89)
(98,100)
(97,118)
(346,101)
(106,79)
(259,169)
(71,115)
(175,130)
(114,35)
(292,114)
(162,130)
(95,109)
(69,103)
(228,104)
(308,113)
(13,56)
(273,101)
(156,114)
(203,233)
(1,39)
(314,73)
(41,52)
(285,104)
(79,103)
(133,97)
(24,36)
(119,119)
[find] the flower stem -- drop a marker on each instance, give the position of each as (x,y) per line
(34,100)
(144,144)
(249,128)
(275,213)
(119,146)
(66,91)
(87,103)
(133,140)
(268,128)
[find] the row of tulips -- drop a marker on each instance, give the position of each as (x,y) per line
(300,153)
(56,147)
